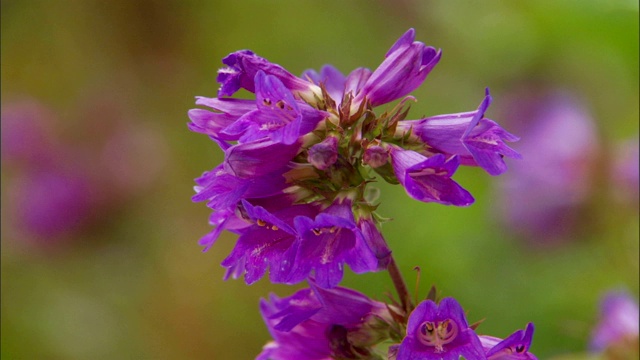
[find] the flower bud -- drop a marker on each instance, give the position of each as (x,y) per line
(324,154)
(375,156)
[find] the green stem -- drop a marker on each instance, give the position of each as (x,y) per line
(400,285)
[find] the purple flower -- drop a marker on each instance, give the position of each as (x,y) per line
(618,323)
(318,324)
(329,241)
(439,332)
(50,202)
(26,134)
(375,242)
(332,80)
(213,123)
(405,67)
(514,347)
(429,179)
(258,157)
(223,190)
(242,67)
(477,140)
(356,81)
(268,242)
(542,196)
(278,114)
(225,219)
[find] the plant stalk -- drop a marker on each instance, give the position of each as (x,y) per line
(400,285)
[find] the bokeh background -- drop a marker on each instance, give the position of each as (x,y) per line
(99,236)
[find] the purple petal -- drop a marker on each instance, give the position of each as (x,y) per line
(356,80)
(258,158)
(242,67)
(429,179)
(459,339)
(332,80)
(477,140)
(405,67)
(267,243)
(514,347)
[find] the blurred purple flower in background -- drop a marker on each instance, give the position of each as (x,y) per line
(541,195)
(27,138)
(478,141)
(626,172)
(618,325)
(58,187)
(50,202)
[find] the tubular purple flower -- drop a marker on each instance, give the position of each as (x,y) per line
(329,241)
(439,332)
(374,241)
(223,190)
(429,179)
(356,81)
(242,67)
(277,114)
(332,80)
(304,324)
(269,242)
(259,157)
(213,123)
(477,140)
(514,347)
(405,67)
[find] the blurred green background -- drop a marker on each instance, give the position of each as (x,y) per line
(134,283)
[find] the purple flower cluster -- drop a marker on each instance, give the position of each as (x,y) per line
(316,323)
(298,157)
(440,331)
(340,323)
(297,162)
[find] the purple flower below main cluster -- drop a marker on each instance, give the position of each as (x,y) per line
(318,324)
(441,332)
